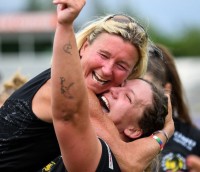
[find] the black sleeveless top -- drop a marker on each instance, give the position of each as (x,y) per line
(26,143)
(107,162)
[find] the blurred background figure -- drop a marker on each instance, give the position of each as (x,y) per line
(9,86)
(186,139)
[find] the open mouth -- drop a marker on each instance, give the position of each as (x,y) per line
(99,79)
(104,104)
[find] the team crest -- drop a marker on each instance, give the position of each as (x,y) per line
(173,163)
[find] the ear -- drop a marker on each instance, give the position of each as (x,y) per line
(83,47)
(133,133)
(168,88)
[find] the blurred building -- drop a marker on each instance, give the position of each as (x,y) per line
(26,33)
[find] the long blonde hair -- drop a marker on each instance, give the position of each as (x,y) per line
(121,25)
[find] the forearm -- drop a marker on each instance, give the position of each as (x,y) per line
(66,71)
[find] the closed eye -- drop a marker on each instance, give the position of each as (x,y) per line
(129,98)
(123,66)
(104,56)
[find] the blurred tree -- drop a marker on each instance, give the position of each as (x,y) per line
(189,43)
(38,5)
(184,46)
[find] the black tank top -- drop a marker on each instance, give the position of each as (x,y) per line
(107,162)
(26,143)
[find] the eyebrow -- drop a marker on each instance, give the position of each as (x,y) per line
(106,52)
(145,80)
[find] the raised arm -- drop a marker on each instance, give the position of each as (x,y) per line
(133,156)
(79,145)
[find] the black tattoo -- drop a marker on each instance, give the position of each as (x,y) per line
(65,90)
(67,48)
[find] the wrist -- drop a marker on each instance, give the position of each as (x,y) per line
(159,141)
(161,137)
(169,129)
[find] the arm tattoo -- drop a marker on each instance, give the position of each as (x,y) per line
(65,90)
(67,48)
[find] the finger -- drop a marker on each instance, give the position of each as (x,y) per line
(193,162)
(169,104)
(55,2)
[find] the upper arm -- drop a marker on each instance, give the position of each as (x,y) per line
(79,145)
(76,136)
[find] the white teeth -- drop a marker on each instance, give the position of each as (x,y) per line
(98,78)
(106,102)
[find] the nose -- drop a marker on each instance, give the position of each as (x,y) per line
(115,91)
(107,69)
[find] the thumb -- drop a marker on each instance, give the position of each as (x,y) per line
(193,162)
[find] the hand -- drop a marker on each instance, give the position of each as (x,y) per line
(193,163)
(169,123)
(68,10)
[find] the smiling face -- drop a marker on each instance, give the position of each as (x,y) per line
(126,104)
(107,62)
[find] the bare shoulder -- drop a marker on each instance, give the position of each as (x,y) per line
(41,104)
